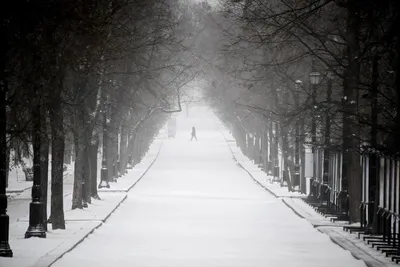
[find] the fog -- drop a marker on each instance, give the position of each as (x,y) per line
(305,93)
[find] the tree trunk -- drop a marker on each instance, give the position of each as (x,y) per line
(89,173)
(143,142)
(242,139)
(57,155)
(68,152)
(351,129)
(270,149)
(287,158)
(257,158)
(94,146)
(393,142)
(44,169)
(117,159)
(86,179)
(136,145)
(303,183)
(250,147)
(373,159)
(275,153)
(122,149)
(113,148)
(265,149)
(79,135)
(57,164)
(78,176)
(110,162)
(130,149)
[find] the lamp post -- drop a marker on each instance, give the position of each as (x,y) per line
(315,79)
(36,228)
(5,250)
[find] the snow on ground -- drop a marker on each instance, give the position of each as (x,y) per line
(256,172)
(293,200)
(125,183)
(359,249)
(18,205)
(40,252)
(17,181)
(195,207)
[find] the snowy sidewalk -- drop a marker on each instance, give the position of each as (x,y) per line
(79,223)
(257,174)
(196,208)
(293,200)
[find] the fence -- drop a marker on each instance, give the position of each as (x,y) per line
(380,187)
(329,197)
(380,177)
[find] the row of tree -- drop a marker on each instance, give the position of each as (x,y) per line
(318,73)
(298,73)
(88,74)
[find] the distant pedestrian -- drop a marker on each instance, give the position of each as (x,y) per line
(193,134)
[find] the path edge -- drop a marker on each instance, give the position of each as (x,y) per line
(332,238)
(105,219)
(248,172)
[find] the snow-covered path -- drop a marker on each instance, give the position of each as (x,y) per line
(196,207)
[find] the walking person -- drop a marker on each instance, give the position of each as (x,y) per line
(193,134)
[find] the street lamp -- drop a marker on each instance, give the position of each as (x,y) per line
(315,79)
(36,228)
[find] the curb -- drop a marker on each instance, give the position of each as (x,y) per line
(109,215)
(295,211)
(376,263)
(40,263)
(144,173)
(252,177)
(19,191)
(114,209)
(255,180)
(332,238)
